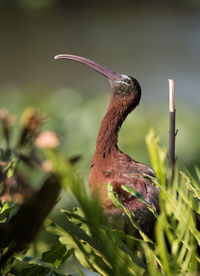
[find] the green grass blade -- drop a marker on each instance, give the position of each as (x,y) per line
(115,200)
(139,197)
(157,155)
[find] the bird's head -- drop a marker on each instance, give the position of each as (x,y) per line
(121,85)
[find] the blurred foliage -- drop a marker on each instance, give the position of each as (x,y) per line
(88,236)
(76,117)
(83,234)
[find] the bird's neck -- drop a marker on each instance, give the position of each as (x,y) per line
(108,133)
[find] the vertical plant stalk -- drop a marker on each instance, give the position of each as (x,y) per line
(172,129)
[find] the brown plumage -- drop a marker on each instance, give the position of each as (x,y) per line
(109,164)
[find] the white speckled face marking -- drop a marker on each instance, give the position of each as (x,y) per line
(124,80)
(125,77)
(124,85)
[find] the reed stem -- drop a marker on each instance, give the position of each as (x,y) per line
(172,129)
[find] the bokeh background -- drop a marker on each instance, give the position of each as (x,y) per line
(149,40)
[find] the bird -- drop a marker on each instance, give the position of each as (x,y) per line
(109,164)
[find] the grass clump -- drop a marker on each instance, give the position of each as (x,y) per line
(86,233)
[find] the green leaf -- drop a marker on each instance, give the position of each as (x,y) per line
(85,248)
(153,263)
(139,197)
(40,267)
(57,255)
(157,155)
(191,187)
(35,261)
(115,200)
(11,167)
(5,210)
(68,177)
(161,244)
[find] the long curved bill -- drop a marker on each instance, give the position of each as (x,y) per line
(111,75)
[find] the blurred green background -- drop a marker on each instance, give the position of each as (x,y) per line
(149,40)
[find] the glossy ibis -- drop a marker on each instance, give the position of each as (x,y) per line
(109,164)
